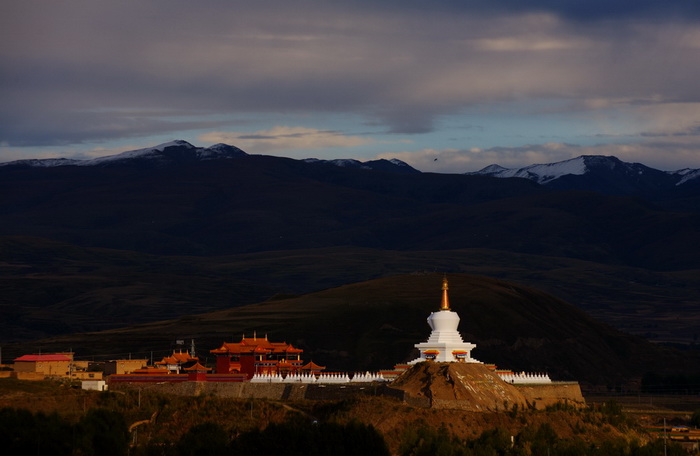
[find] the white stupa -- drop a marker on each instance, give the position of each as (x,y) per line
(445,344)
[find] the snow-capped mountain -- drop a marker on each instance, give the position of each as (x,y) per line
(604,174)
(688,175)
(180,151)
(162,154)
(542,174)
(393,165)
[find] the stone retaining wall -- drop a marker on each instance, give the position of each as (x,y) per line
(551,393)
(275,391)
(539,395)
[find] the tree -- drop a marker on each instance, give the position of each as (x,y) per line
(695,419)
(22,432)
(103,432)
(426,441)
(206,439)
(310,439)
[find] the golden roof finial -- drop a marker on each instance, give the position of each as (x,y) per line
(445,305)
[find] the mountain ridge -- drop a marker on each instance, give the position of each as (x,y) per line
(604,174)
(565,174)
(179,151)
(265,203)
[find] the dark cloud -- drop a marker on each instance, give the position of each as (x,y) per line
(75,127)
(71,71)
(693,131)
(606,9)
(577,10)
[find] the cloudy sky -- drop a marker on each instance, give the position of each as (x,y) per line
(447,86)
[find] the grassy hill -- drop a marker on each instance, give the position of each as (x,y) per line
(49,288)
(374,324)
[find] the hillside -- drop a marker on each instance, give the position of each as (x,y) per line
(259,203)
(49,288)
(164,422)
(374,324)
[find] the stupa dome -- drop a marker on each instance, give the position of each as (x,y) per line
(444,320)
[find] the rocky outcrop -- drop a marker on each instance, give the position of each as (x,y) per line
(465,386)
(545,395)
(475,387)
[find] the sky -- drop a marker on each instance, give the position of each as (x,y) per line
(446,86)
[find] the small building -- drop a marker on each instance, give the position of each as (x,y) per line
(94,385)
(50,365)
(312,368)
(54,365)
(197,373)
(124,366)
(176,362)
(256,355)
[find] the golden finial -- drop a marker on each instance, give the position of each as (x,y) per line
(445,305)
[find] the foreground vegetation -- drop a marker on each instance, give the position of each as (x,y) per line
(44,418)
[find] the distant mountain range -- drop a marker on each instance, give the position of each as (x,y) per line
(172,152)
(176,198)
(181,152)
(607,175)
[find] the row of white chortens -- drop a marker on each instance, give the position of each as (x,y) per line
(518,378)
(524,378)
(324,377)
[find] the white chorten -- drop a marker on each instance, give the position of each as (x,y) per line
(445,344)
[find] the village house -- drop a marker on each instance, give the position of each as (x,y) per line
(124,366)
(61,365)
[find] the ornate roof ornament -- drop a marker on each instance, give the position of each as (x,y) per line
(445,304)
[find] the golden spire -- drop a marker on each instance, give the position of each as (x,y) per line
(445,305)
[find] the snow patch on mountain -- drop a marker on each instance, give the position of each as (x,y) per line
(539,173)
(391,165)
(348,163)
(169,151)
(687,175)
(42,162)
(397,162)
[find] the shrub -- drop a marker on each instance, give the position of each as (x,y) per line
(206,439)
(103,433)
(304,438)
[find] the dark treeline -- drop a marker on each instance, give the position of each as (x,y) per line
(100,432)
(541,440)
(104,432)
